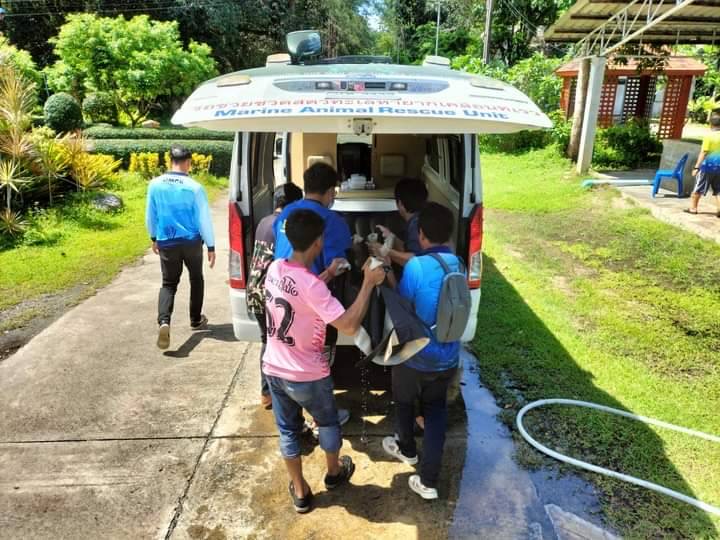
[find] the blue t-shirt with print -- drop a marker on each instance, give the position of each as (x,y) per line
(336,237)
(421,283)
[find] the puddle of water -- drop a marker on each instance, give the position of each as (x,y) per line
(498,498)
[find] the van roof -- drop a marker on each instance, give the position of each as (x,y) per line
(347,98)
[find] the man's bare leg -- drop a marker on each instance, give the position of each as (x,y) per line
(333,463)
(294,468)
(694,201)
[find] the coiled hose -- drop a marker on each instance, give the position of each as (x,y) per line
(607,472)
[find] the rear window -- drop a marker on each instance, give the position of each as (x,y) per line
(457,162)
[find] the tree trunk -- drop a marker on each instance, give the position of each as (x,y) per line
(579,110)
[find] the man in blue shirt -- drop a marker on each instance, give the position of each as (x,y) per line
(410,196)
(427,375)
(320,182)
(178,220)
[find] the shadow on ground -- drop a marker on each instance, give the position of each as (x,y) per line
(520,359)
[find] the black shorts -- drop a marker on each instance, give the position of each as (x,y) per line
(706,180)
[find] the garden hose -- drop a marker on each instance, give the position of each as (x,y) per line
(607,472)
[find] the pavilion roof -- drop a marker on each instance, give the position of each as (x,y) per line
(675,65)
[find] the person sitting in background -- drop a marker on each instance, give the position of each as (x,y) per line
(263,254)
(411,196)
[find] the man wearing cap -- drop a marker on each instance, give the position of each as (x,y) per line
(262,257)
(178,221)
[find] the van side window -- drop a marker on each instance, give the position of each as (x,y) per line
(261,170)
(456,159)
(433,154)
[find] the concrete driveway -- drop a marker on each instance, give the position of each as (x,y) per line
(102,435)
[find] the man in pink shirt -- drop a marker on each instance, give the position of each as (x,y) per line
(298,307)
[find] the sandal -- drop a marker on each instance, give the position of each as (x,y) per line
(302,504)
(690,211)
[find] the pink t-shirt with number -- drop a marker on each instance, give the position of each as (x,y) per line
(298,306)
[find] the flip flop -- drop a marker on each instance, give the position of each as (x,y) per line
(689,211)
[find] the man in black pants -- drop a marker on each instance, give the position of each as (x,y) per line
(427,375)
(178,220)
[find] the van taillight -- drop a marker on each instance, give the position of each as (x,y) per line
(475,248)
(237,247)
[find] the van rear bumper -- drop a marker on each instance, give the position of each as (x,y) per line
(244,325)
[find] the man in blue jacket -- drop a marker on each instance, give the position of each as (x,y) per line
(320,182)
(427,375)
(178,220)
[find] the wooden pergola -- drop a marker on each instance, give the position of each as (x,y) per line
(640,85)
(602,29)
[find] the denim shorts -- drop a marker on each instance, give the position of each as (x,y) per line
(706,180)
(316,397)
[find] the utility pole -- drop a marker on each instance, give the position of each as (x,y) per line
(437,29)
(488,31)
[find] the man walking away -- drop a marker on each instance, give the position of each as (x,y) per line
(178,220)
(299,306)
(427,375)
(263,254)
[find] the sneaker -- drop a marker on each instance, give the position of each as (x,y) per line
(163,340)
(201,324)
(343,417)
(302,504)
(390,445)
(417,486)
(347,468)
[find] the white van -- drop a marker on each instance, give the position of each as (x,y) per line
(381,120)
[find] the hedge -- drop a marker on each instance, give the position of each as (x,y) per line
(221,151)
(195,134)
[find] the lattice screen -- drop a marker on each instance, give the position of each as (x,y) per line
(650,98)
(565,95)
(672,118)
(607,101)
(571,97)
(631,99)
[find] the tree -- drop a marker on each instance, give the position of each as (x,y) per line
(31,23)
(20,60)
(137,61)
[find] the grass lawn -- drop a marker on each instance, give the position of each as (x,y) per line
(587,297)
(75,245)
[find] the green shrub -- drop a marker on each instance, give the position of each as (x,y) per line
(100,107)
(221,151)
(560,133)
(514,142)
(195,134)
(699,110)
(626,145)
(63,113)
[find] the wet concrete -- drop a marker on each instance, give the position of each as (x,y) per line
(500,499)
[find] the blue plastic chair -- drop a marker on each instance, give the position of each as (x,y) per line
(676,174)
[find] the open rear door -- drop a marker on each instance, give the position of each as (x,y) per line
(359,99)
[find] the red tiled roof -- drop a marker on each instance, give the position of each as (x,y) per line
(676,65)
